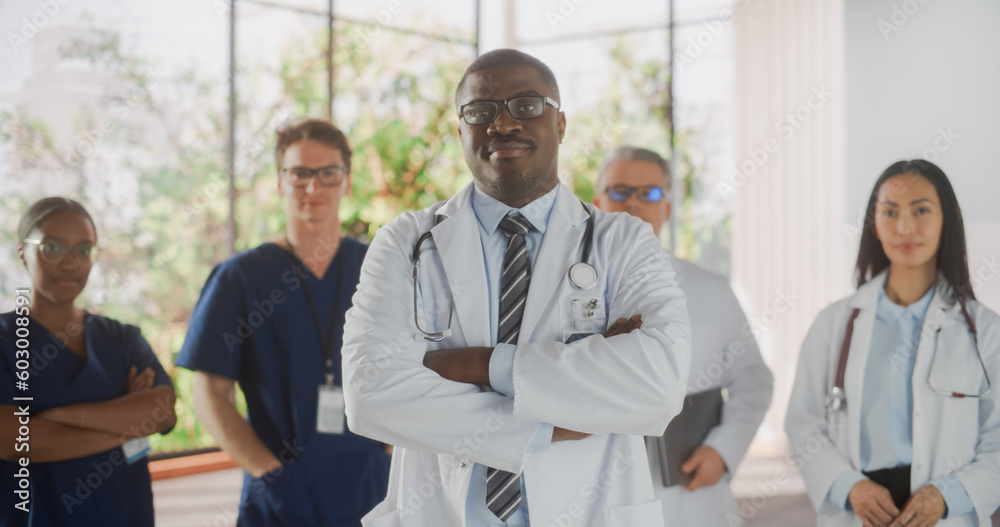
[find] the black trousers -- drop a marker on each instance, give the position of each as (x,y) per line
(897,480)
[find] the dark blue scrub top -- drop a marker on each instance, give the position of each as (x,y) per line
(253,324)
(100,489)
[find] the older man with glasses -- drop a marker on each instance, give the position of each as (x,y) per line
(271,319)
(691,464)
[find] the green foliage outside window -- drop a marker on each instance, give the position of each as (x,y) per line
(161,207)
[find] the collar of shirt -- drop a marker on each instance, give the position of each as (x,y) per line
(489,211)
(890,312)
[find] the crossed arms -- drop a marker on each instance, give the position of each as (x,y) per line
(77,430)
(629,382)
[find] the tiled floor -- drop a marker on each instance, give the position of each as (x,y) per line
(772,494)
(204,500)
(211,500)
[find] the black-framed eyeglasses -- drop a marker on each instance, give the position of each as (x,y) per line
(55,252)
(328,176)
(485,112)
(621,193)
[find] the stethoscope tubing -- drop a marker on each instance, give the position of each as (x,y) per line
(438,336)
(837,399)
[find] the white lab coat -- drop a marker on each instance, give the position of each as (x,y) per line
(950,435)
(618,389)
(723,354)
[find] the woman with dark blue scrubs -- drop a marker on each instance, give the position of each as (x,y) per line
(93,391)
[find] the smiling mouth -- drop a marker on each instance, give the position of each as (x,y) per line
(508,149)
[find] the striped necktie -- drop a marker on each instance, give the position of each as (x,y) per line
(503,489)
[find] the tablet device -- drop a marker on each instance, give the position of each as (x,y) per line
(701,413)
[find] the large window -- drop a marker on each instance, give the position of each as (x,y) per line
(125,107)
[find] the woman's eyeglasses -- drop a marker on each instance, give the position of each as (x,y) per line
(55,252)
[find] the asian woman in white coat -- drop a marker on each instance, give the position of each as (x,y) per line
(892,420)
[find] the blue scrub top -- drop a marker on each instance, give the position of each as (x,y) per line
(253,324)
(100,489)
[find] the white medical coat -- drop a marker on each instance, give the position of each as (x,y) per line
(618,389)
(950,435)
(724,354)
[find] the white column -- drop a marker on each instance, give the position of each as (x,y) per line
(498,28)
(791,253)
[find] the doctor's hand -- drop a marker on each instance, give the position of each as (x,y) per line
(623,326)
(925,507)
(468,365)
(872,503)
(707,466)
(564,434)
(140,381)
(264,466)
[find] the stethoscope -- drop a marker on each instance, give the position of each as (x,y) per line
(581,274)
(837,399)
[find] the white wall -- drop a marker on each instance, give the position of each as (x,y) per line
(923,80)
(904,79)
(789,248)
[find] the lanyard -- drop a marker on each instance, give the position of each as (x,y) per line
(325,340)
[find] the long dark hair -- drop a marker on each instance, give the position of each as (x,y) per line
(952,259)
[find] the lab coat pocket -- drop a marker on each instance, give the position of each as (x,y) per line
(646,514)
(575,330)
(582,317)
(958,423)
(959,368)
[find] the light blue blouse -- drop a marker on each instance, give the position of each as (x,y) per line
(887,403)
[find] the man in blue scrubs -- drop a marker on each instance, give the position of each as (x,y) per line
(271,319)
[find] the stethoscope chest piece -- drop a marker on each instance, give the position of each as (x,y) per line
(583,275)
(837,400)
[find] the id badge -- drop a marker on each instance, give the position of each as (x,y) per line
(586,317)
(580,329)
(330,410)
(136,449)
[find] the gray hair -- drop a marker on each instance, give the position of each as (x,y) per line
(633,153)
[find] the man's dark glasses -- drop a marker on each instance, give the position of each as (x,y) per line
(621,193)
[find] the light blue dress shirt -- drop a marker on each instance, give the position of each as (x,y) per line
(887,403)
(489,212)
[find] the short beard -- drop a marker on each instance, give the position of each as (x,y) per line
(517,190)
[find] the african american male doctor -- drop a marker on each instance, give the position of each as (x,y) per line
(517,365)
